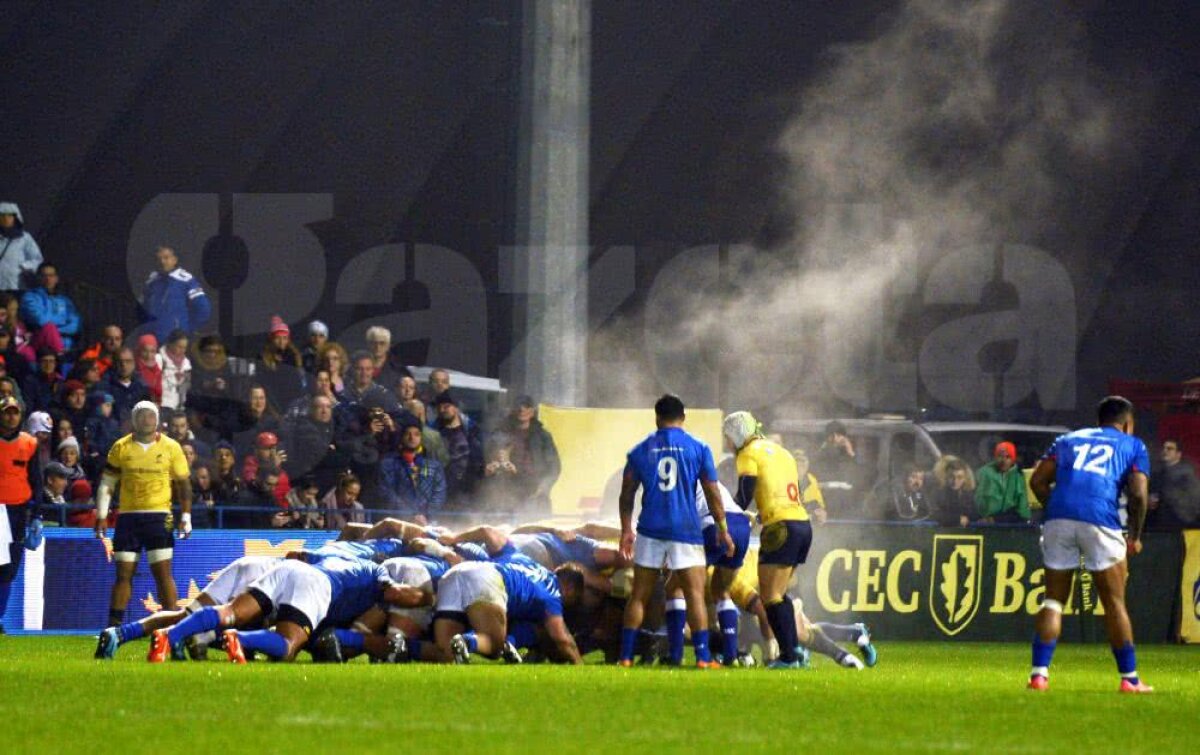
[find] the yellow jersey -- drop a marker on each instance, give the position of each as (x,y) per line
(745,585)
(146,472)
(777,490)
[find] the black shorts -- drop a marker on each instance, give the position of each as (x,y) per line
(785,543)
(151,531)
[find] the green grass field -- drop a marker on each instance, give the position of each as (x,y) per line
(958,697)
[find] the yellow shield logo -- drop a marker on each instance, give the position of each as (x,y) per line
(955,581)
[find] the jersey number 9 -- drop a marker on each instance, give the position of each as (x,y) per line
(668,474)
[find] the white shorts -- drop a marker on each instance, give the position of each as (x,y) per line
(1065,540)
(469,584)
(411,572)
(296,584)
(656,554)
(235,578)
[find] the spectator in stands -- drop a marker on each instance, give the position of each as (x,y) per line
(148,367)
(908,501)
(179,429)
(257,416)
(19,253)
(69,454)
(56,479)
(176,370)
(43,386)
(226,481)
(341,503)
(1174,491)
(364,393)
(411,482)
(1000,493)
(438,383)
(261,492)
(464,445)
(108,349)
(72,405)
(123,383)
(304,507)
(837,466)
(8,387)
(86,372)
(189,452)
(810,490)
(533,453)
(16,365)
(204,496)
(431,439)
(215,392)
(49,313)
(954,496)
(79,496)
(10,318)
(406,391)
(501,488)
(99,433)
(319,385)
(172,299)
(309,441)
(333,358)
(267,454)
(280,368)
(388,370)
(318,336)
(41,426)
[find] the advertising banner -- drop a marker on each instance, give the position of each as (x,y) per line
(1189,589)
(924,583)
(64,585)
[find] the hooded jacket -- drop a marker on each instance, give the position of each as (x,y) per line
(19,253)
(174,300)
(40,307)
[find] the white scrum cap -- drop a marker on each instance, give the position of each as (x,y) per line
(740,427)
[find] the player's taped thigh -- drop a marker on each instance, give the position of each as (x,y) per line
(157,555)
(1052,605)
(125,557)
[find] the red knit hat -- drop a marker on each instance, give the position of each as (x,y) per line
(80,490)
(1007,447)
(279,327)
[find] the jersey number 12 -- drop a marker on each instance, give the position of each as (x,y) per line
(1099,456)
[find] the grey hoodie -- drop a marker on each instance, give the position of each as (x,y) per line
(19,253)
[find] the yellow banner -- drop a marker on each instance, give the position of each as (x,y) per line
(1189,619)
(592,444)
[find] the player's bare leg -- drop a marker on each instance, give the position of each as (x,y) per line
(444,632)
(644,581)
(693,582)
(164,581)
(122,588)
(244,610)
(489,629)
(770,644)
(725,611)
(281,643)
(1111,585)
(813,637)
(1048,625)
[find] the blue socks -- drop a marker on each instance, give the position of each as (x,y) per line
(700,644)
(264,641)
(204,620)
(129,632)
(628,642)
(1126,662)
(727,619)
(783,623)
(675,619)
(349,639)
(1043,652)
(472,641)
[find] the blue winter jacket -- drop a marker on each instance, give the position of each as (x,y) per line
(174,300)
(40,307)
(419,490)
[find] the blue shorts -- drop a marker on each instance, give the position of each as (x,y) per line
(739,530)
(150,531)
(785,543)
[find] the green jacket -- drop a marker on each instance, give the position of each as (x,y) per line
(999,493)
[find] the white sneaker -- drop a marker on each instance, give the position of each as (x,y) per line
(850,660)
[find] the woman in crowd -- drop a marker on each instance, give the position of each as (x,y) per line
(333,358)
(176,370)
(280,368)
(341,503)
(148,366)
(954,495)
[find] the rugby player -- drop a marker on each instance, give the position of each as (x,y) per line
(723,570)
(227,583)
(668,465)
(552,547)
(768,479)
(151,470)
(1079,481)
(297,597)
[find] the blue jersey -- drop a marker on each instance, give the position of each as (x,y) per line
(472,552)
(668,464)
(436,567)
(581,550)
(1093,466)
(368,550)
(356,586)
(533,593)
